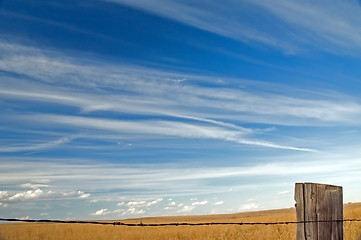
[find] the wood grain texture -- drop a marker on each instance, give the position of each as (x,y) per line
(319,202)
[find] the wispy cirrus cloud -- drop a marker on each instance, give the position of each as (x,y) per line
(121,129)
(333,27)
(34,185)
(35,147)
(230,19)
(138,90)
(167,179)
(134,183)
(195,110)
(282,24)
(158,129)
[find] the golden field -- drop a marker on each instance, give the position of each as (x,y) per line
(61,231)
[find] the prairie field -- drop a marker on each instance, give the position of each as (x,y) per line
(61,231)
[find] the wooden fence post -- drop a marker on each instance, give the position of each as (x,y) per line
(319,202)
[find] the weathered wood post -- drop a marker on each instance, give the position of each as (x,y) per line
(319,202)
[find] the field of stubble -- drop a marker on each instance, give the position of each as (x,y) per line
(42,231)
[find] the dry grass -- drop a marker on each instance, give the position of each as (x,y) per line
(352,230)
(42,231)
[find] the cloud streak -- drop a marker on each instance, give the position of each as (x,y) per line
(158,129)
(165,179)
(145,91)
(36,147)
(146,185)
(196,111)
(227,20)
(321,24)
(287,25)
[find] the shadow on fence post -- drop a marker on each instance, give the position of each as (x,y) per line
(318,203)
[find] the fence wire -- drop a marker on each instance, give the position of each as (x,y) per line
(141,224)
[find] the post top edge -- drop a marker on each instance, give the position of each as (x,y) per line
(311,183)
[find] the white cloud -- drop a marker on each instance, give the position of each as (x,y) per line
(199,203)
(41,181)
(186,209)
(219,203)
(249,206)
(137,207)
(130,211)
(83,195)
(154,202)
(4,194)
(103,211)
(136,203)
(134,211)
(172,206)
(34,185)
(6,197)
(77,194)
(31,194)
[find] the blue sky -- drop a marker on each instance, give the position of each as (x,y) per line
(116,109)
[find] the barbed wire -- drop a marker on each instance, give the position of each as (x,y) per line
(141,224)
